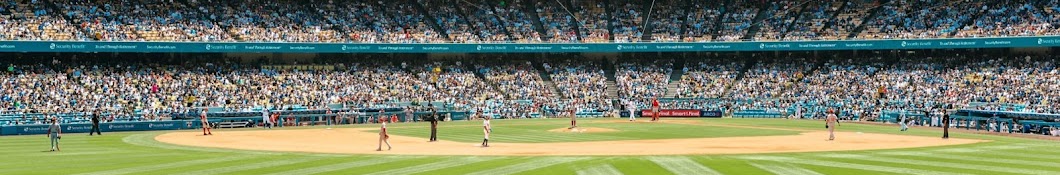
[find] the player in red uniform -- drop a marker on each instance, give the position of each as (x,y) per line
(205,123)
(654,109)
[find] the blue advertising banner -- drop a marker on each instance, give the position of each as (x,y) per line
(190,47)
(711,114)
(105,127)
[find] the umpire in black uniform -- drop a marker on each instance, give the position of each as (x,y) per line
(95,124)
(945,124)
(434,122)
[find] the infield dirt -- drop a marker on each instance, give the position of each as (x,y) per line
(365,141)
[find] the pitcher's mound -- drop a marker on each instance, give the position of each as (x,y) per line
(583,130)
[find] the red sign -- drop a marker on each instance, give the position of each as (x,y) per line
(672,113)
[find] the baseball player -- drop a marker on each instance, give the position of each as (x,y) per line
(273,120)
(55,132)
(830,122)
(408,114)
(902,122)
(486,130)
(265,118)
(394,118)
(573,118)
(632,113)
(654,109)
(205,123)
(328,115)
(383,136)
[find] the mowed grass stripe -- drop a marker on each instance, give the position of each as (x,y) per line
(847,165)
(682,166)
(434,166)
(527,166)
(80,164)
(168,165)
(252,166)
(784,169)
(343,165)
(480,166)
(990,159)
(605,169)
(941,164)
(998,153)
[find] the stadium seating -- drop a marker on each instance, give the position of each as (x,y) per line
(440,21)
(863,85)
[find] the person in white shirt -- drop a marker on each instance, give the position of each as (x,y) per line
(632,110)
(265,119)
(383,136)
(486,130)
(830,122)
(902,120)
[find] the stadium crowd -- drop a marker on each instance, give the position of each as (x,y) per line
(428,21)
(861,86)
(643,80)
(707,79)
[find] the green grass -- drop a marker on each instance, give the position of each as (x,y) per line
(537,131)
(138,153)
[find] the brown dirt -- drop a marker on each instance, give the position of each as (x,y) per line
(972,131)
(364,141)
(583,130)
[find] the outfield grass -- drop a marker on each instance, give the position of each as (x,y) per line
(138,153)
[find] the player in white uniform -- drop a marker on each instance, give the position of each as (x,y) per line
(902,121)
(830,122)
(632,108)
(383,136)
(265,119)
(486,130)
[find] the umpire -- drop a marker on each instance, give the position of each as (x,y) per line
(945,125)
(95,124)
(434,122)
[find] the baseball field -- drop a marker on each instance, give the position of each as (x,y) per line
(535,146)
